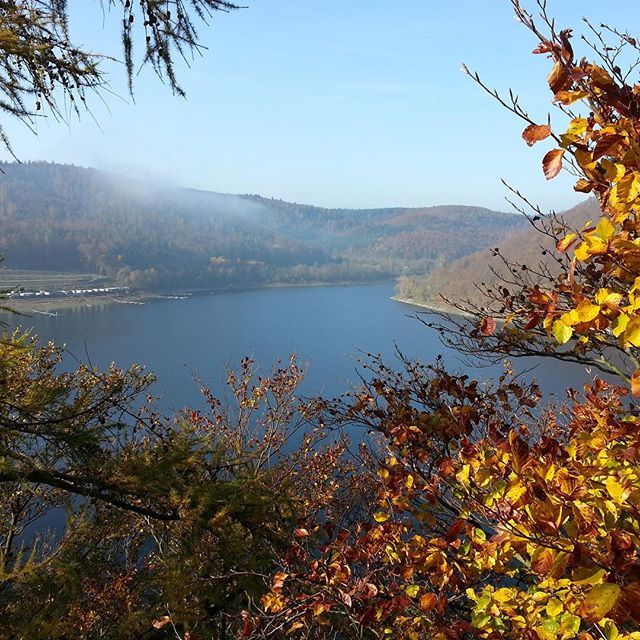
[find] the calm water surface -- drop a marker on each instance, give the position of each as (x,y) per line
(204,335)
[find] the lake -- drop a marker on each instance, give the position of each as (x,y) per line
(204,335)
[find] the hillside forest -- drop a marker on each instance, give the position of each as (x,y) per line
(69,219)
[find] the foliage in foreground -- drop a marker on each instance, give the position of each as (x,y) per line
(120,523)
(495,516)
(498,516)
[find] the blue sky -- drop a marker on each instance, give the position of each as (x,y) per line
(353,103)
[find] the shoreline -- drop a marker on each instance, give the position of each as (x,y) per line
(432,307)
(52,306)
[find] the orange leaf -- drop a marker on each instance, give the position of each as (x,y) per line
(569,97)
(552,163)
(542,560)
(536,132)
(161,622)
(428,601)
(635,384)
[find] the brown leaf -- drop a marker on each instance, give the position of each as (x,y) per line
(543,47)
(567,49)
(599,601)
(583,186)
(346,598)
(536,132)
(552,163)
(559,78)
(606,145)
(488,326)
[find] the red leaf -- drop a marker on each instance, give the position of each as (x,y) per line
(533,321)
(536,132)
(552,163)
(455,529)
(488,326)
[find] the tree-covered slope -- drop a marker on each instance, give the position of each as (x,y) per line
(67,218)
(458,280)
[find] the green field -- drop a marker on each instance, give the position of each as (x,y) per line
(28,280)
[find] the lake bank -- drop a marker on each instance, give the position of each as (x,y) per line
(51,306)
(433,307)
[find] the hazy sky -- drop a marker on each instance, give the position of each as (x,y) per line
(354,103)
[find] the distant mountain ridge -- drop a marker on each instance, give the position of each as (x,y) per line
(67,218)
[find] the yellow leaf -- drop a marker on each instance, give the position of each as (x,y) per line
(515,492)
(599,601)
(582,251)
(619,325)
(412,590)
(628,188)
(606,297)
(272,603)
(588,575)
(569,97)
(504,595)
(570,318)
(463,475)
(605,229)
(554,607)
(380,516)
(613,171)
(632,333)
(561,332)
(565,243)
(587,311)
(616,490)
(294,627)
(577,127)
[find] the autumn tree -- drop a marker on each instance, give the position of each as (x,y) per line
(580,304)
(501,516)
(42,68)
(121,523)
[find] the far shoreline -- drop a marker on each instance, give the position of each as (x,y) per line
(51,306)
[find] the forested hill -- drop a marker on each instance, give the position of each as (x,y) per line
(66,218)
(457,280)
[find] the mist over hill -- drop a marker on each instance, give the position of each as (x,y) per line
(456,280)
(66,218)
